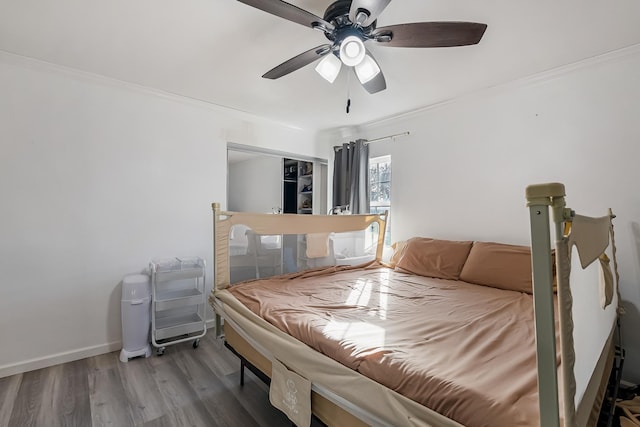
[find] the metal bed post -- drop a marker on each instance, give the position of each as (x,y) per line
(539,199)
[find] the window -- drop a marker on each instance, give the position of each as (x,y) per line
(380,189)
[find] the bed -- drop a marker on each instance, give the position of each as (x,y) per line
(435,338)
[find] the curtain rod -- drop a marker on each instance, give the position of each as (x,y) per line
(386,137)
(367,142)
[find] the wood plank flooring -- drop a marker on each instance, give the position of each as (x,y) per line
(185,387)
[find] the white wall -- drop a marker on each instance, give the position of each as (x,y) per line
(96,178)
(462,172)
(255,185)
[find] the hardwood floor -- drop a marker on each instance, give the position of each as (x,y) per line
(185,387)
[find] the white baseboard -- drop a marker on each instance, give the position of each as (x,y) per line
(56,359)
(69,356)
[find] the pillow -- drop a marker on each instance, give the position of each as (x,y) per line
(500,266)
(442,259)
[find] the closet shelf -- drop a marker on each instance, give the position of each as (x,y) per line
(298,184)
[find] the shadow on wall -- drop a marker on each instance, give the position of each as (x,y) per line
(632,318)
(635,232)
(114,326)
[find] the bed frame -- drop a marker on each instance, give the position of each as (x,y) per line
(570,395)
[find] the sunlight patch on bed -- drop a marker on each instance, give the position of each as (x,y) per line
(360,294)
(362,291)
(384,295)
(364,333)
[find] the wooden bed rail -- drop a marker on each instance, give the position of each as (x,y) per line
(273,224)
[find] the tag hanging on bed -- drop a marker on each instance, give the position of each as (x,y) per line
(291,393)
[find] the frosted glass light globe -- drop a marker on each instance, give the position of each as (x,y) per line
(352,51)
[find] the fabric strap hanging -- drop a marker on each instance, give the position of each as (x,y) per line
(591,236)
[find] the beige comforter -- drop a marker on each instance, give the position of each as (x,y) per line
(466,351)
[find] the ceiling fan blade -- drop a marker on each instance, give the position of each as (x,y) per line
(289,12)
(298,62)
(431,34)
(376,84)
(372,7)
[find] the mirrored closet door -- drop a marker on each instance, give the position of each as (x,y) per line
(270,182)
(259,180)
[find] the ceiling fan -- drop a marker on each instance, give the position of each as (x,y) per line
(348,24)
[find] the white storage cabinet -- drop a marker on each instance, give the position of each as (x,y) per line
(178,301)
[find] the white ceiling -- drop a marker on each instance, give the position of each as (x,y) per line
(216,50)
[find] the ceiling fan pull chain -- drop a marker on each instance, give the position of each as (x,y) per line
(348,92)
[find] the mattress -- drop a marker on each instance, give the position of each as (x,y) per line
(463,350)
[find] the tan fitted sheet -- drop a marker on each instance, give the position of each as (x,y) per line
(463,350)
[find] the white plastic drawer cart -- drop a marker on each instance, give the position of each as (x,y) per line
(178,301)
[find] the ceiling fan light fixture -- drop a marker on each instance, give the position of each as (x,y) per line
(329,67)
(349,24)
(352,51)
(361,17)
(367,69)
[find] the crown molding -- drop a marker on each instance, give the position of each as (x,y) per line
(99,79)
(533,79)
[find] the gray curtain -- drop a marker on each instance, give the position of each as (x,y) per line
(351,176)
